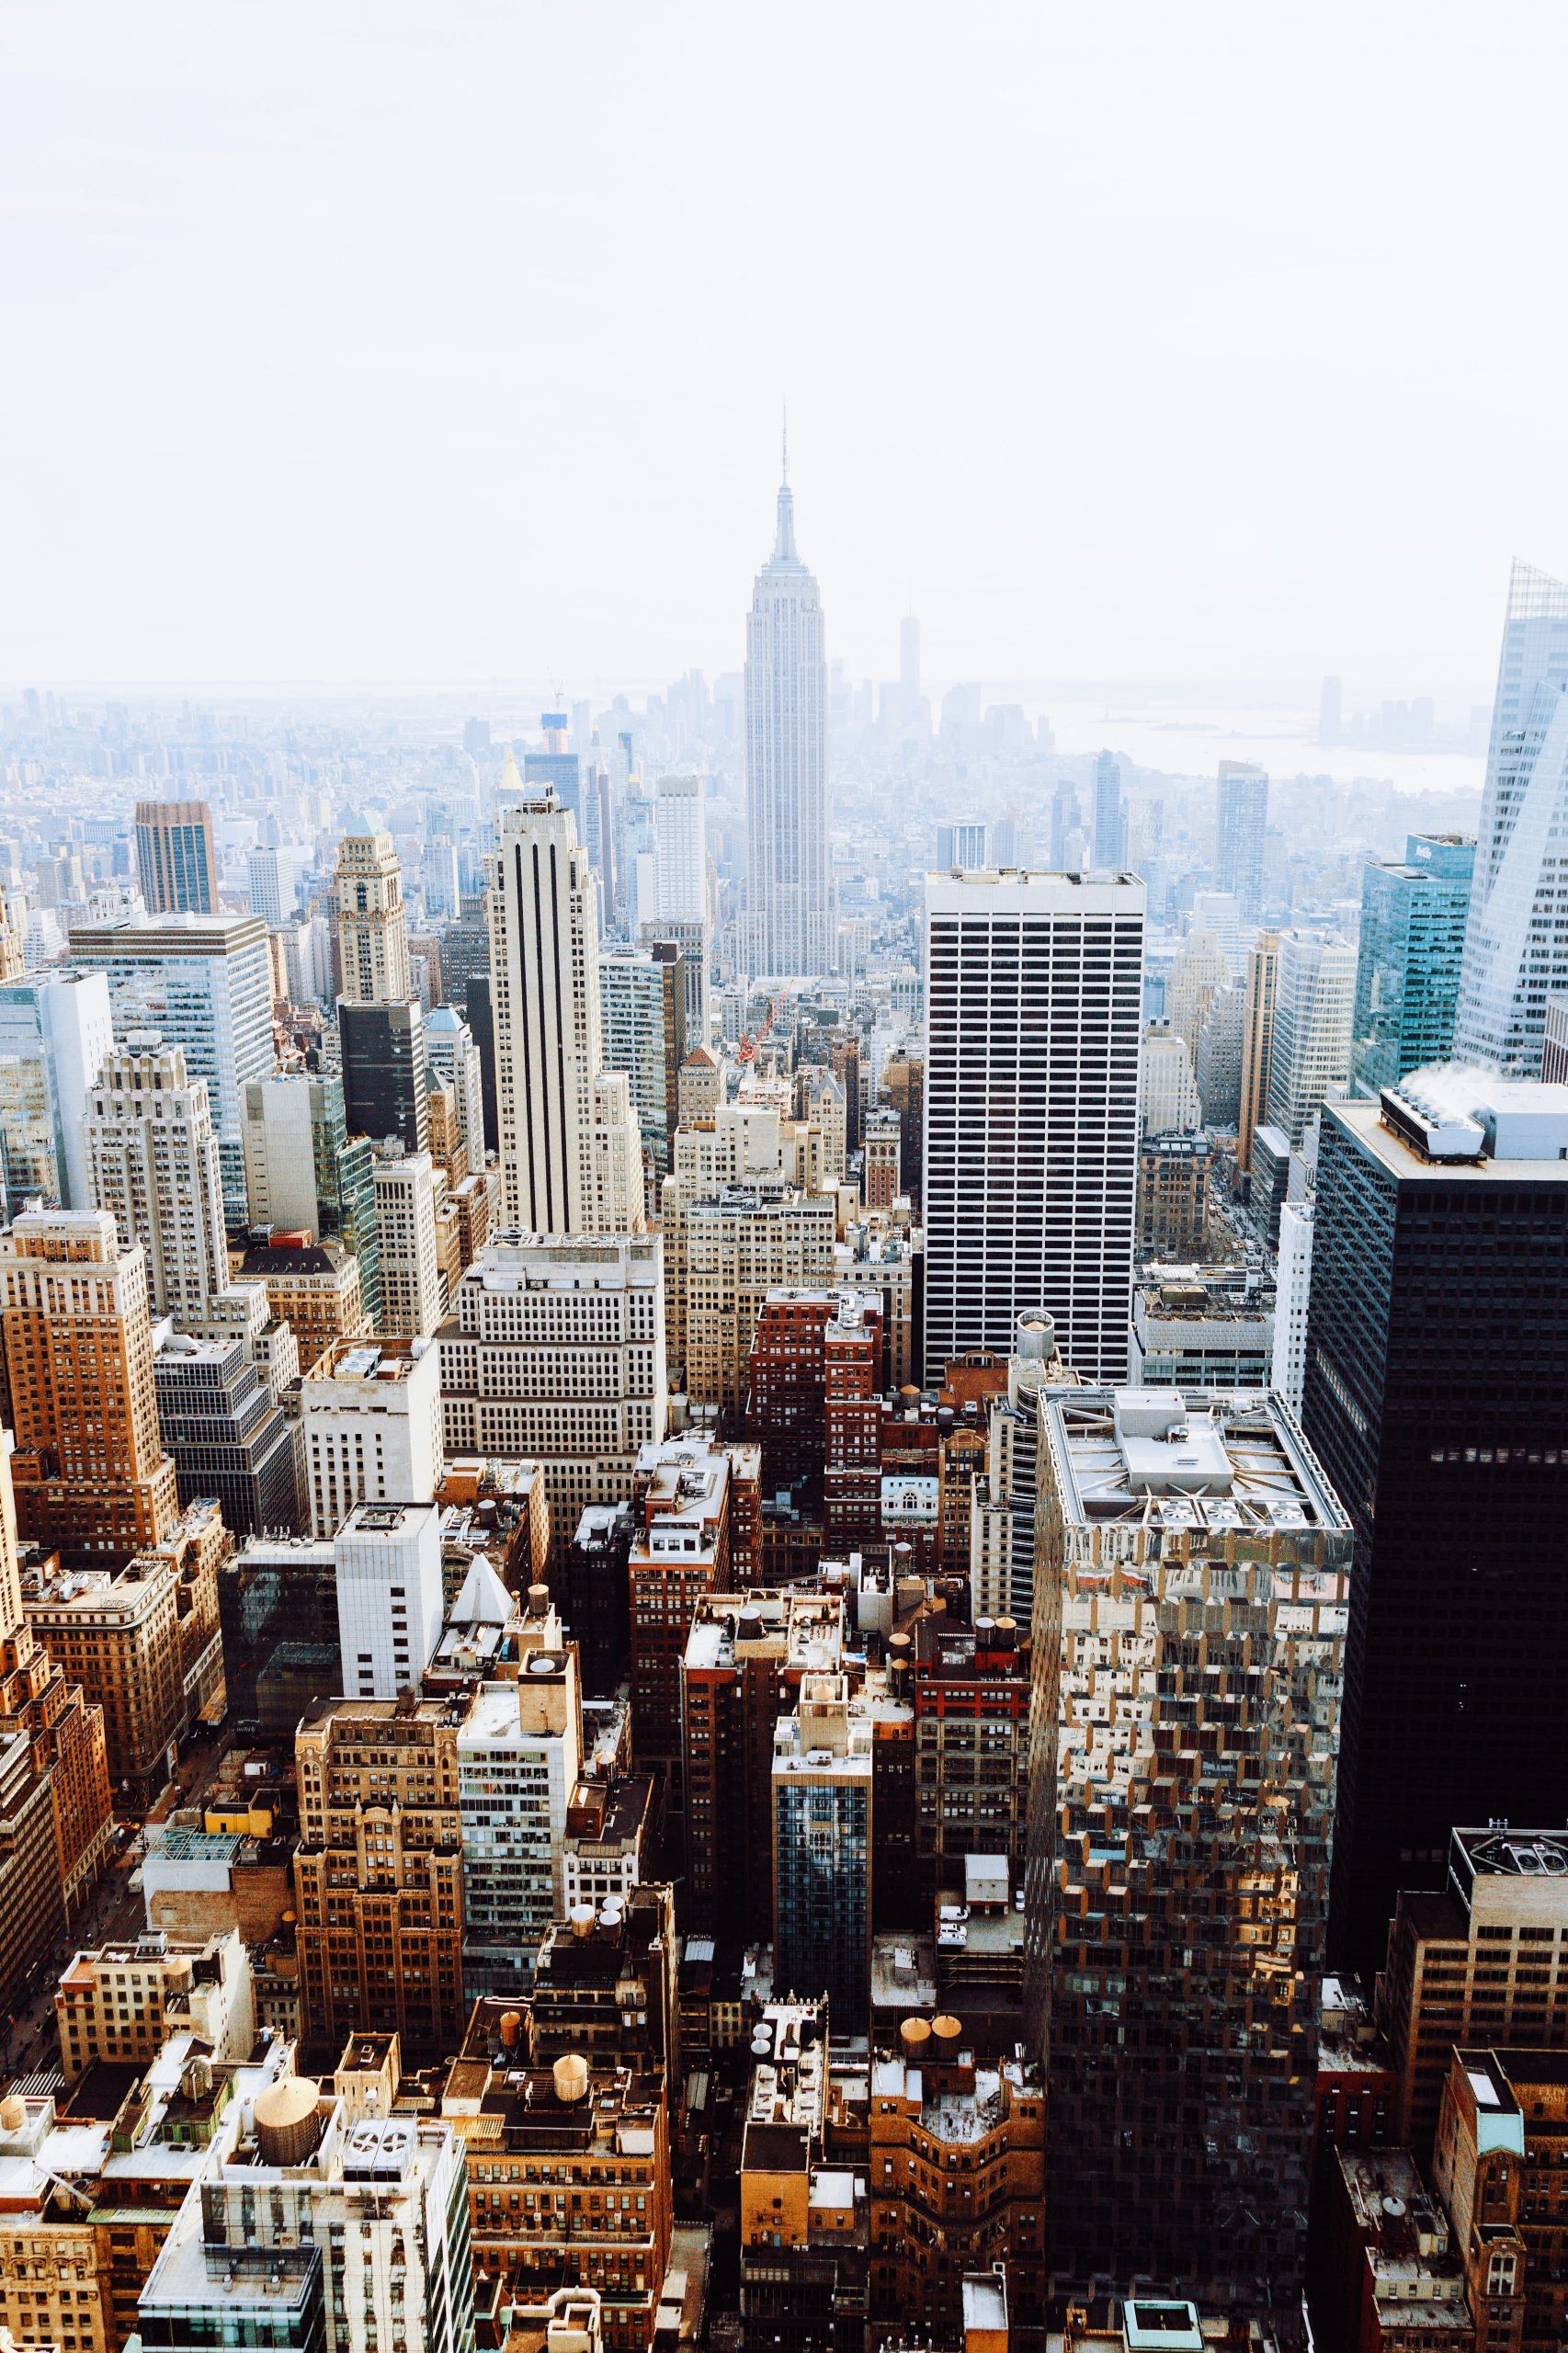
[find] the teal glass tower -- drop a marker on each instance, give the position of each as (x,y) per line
(1407,972)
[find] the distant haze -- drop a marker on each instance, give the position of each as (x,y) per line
(355,343)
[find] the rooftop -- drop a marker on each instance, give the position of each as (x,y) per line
(1400,2222)
(1185,1461)
(182,931)
(956,2113)
(612,1814)
(117,1595)
(985,2301)
(1499,2123)
(788,2084)
(365,1360)
(406,1521)
(1447,1125)
(797,1626)
(1500,1851)
(263,1259)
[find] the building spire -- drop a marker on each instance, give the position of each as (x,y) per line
(784,544)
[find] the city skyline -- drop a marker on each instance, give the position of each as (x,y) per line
(780,1461)
(1041,516)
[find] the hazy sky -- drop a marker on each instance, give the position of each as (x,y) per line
(427,343)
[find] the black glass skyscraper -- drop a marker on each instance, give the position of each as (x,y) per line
(384,1072)
(1436,1397)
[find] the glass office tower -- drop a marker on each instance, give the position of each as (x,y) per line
(1516,951)
(1436,1363)
(1407,970)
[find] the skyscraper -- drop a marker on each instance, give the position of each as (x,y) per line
(1292,1295)
(789,915)
(642,1000)
(55,1029)
(91,1475)
(556,769)
(387,1575)
(1257,1042)
(1314,997)
(680,837)
(1066,831)
(305,1174)
(555,1352)
(380,1022)
(454,1059)
(228,1436)
(519,1753)
(384,1063)
(1515,949)
(1199,973)
(1217,1065)
(821,1847)
(152,1159)
(10,944)
(1110,813)
(544,960)
(335,2223)
(1437,1359)
(269,872)
(962,843)
(1191,1589)
(1241,824)
(175,857)
(54,1824)
(412,1302)
(373,925)
(1413,914)
(1034,1018)
(206,982)
(371,1417)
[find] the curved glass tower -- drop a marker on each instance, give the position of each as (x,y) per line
(1516,951)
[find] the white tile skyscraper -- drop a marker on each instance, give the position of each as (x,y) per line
(563,1169)
(1033,1024)
(206,982)
(1314,999)
(789,925)
(681,841)
(1516,951)
(153,1158)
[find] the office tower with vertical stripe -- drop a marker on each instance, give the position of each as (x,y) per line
(544,965)
(1033,1019)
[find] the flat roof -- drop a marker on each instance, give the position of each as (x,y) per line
(985,2301)
(1364,1124)
(1251,1469)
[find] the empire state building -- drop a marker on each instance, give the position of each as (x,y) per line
(788,927)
